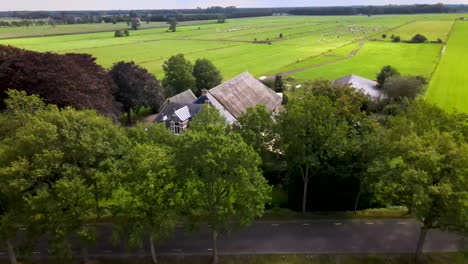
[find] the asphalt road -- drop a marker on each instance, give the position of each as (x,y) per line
(312,237)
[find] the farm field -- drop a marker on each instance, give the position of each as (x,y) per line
(242,44)
(448,87)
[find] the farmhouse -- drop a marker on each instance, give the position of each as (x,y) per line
(367,86)
(231,98)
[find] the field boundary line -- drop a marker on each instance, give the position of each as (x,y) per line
(352,54)
(441,54)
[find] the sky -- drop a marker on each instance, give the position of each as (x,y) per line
(8,5)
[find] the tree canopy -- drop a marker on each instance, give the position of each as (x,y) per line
(386,72)
(64,80)
(178,75)
(136,87)
(206,75)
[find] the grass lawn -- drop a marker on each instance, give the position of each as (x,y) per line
(409,59)
(449,85)
(432,258)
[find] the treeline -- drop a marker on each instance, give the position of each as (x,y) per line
(374,10)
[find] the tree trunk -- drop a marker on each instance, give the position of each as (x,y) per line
(419,249)
(11,252)
(84,253)
(305,178)
(153,251)
(215,248)
(357,201)
(129,117)
(304,197)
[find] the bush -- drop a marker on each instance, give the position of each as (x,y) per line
(281,35)
(384,36)
(126,33)
(418,38)
(279,197)
(396,39)
(403,86)
(386,72)
(118,34)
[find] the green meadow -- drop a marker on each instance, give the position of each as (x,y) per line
(449,85)
(307,47)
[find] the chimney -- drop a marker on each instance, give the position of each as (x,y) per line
(203,92)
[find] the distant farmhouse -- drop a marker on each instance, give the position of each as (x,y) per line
(463,18)
(367,86)
(231,98)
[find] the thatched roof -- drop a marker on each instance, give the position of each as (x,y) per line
(245,91)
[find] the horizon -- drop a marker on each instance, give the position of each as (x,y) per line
(104,5)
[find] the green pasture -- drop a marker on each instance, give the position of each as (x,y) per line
(410,59)
(307,41)
(433,30)
(449,84)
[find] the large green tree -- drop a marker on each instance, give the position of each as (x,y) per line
(220,175)
(206,75)
(136,87)
(64,156)
(177,75)
(145,196)
(424,168)
(311,132)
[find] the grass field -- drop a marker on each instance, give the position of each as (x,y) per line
(306,41)
(449,85)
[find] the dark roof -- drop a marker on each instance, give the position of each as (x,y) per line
(169,110)
(244,91)
(201,100)
(186,97)
(365,85)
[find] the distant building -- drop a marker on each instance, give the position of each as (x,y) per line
(366,86)
(463,19)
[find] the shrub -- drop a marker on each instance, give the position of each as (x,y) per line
(403,86)
(418,38)
(281,35)
(396,39)
(384,36)
(118,34)
(126,33)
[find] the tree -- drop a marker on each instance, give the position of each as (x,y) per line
(206,75)
(144,198)
(219,172)
(279,84)
(386,72)
(427,173)
(172,21)
(257,128)
(177,75)
(396,39)
(384,36)
(418,38)
(63,159)
(221,18)
(136,87)
(403,86)
(311,132)
(136,22)
(281,35)
(65,80)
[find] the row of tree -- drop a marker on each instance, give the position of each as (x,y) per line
(372,10)
(62,168)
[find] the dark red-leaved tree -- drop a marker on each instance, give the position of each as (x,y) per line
(136,87)
(65,80)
